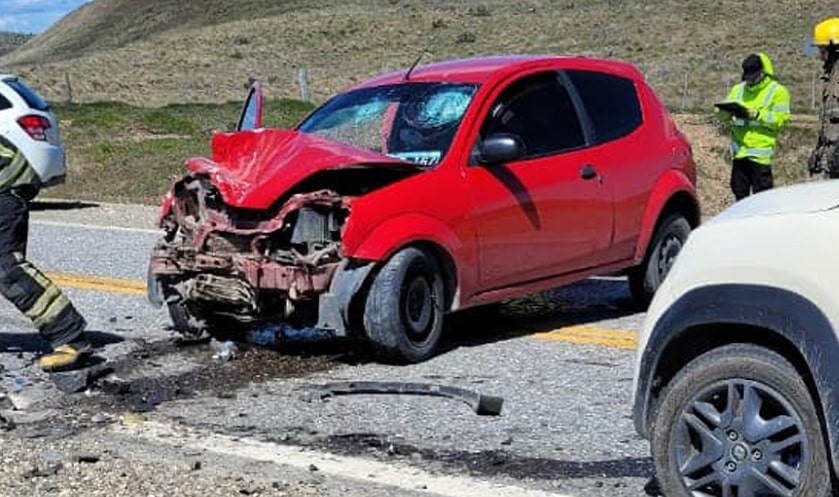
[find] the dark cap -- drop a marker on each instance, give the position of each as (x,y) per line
(752,68)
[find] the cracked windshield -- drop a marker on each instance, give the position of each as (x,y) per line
(415,122)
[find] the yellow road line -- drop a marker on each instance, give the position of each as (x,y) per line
(98,283)
(584,335)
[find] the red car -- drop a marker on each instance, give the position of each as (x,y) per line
(423,192)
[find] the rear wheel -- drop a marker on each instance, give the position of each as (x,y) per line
(667,242)
(403,312)
(739,421)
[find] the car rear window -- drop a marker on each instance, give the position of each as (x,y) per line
(611,101)
(30,96)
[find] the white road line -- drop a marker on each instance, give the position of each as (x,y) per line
(359,469)
(102,227)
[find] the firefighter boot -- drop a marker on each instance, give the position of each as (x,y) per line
(66,357)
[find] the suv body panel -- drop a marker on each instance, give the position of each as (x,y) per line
(766,262)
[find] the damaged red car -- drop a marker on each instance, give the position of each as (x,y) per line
(423,192)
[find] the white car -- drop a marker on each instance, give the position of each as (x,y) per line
(27,121)
(736,381)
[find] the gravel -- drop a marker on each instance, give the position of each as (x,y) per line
(564,427)
(85,465)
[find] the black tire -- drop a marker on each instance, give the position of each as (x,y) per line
(667,242)
(403,311)
(697,401)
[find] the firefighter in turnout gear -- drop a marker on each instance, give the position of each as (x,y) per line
(23,284)
(766,110)
(825,157)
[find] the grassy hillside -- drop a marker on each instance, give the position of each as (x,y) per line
(110,24)
(121,153)
(202,51)
(11,41)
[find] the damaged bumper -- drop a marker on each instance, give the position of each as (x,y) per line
(281,265)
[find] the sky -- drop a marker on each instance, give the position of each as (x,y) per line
(34,16)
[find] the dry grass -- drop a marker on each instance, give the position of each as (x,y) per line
(121,153)
(191,51)
(12,41)
(689,49)
(710,149)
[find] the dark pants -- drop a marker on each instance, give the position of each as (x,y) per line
(749,177)
(25,286)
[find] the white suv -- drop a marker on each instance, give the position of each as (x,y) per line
(736,381)
(27,121)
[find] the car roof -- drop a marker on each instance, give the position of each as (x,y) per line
(482,69)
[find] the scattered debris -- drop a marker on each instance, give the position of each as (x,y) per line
(43,472)
(19,383)
(100,418)
(77,381)
(275,334)
(6,424)
(483,405)
(88,458)
(226,351)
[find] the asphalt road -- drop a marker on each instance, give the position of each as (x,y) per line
(561,361)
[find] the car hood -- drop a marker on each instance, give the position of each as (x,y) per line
(796,199)
(252,169)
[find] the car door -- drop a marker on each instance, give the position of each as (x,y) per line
(626,154)
(548,212)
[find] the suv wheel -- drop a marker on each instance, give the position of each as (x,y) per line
(739,421)
(403,314)
(667,242)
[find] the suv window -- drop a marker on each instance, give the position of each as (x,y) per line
(540,111)
(611,101)
(30,96)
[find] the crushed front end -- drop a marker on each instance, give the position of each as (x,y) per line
(222,269)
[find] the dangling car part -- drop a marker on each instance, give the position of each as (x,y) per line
(483,405)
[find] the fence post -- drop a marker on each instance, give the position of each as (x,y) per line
(69,96)
(303,83)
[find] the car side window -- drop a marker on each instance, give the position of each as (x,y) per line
(540,111)
(611,102)
(4,103)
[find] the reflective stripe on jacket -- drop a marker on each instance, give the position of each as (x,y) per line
(15,170)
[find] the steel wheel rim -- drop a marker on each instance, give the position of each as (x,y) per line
(418,307)
(740,438)
(670,249)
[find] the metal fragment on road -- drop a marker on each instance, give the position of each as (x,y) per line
(483,405)
(77,381)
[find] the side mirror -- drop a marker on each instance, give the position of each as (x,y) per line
(251,116)
(500,148)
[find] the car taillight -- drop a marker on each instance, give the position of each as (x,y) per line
(35,126)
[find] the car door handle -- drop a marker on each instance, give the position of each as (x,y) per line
(588,172)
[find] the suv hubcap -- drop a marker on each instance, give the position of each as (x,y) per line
(740,438)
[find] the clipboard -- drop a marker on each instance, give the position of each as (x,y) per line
(735,108)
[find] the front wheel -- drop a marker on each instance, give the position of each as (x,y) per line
(667,242)
(403,311)
(739,421)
